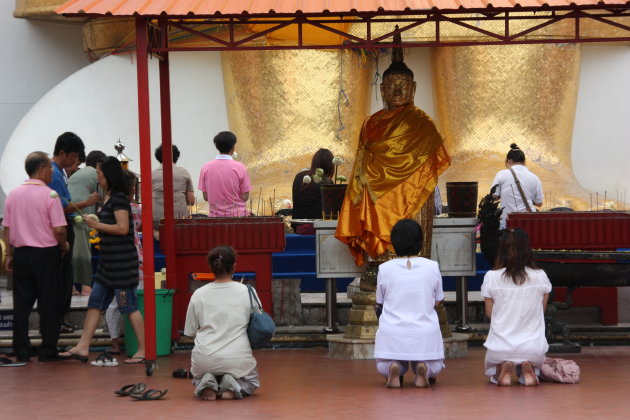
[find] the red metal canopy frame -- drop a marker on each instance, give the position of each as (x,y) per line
(152,39)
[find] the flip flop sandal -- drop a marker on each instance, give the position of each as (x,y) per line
(82,359)
(106,360)
(131,389)
(70,325)
(6,362)
(149,395)
(180,373)
(73,356)
(64,329)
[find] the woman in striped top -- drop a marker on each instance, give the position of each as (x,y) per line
(117,272)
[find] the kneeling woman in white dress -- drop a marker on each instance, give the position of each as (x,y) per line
(218,314)
(408,288)
(516,295)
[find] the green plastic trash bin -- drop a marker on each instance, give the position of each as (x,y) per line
(163,322)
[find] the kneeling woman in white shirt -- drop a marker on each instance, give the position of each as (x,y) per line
(222,363)
(408,288)
(515,294)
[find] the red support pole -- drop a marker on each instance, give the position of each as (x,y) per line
(144,126)
(167,157)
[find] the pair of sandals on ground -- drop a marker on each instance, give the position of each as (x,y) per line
(140,392)
(225,387)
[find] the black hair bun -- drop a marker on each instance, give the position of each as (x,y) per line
(514,146)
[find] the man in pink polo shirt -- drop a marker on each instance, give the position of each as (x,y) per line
(224,181)
(35,229)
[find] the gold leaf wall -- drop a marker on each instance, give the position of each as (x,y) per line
(488,97)
(284,105)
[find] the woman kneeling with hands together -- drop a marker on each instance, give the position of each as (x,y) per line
(218,314)
(408,288)
(515,294)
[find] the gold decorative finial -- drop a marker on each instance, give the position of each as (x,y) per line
(397,52)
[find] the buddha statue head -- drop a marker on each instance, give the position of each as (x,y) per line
(398,87)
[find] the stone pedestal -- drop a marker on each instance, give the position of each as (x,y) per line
(348,348)
(362,321)
(456,346)
(340,347)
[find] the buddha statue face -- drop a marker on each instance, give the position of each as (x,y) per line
(397,90)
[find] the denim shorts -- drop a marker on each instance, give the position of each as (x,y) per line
(101,297)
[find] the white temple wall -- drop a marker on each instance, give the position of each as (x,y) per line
(601,135)
(36,56)
(104,108)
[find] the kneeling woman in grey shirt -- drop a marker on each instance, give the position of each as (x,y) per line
(222,363)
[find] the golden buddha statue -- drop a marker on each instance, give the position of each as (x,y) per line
(399,158)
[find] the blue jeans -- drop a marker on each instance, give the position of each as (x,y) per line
(101,297)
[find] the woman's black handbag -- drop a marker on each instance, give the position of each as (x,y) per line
(261,326)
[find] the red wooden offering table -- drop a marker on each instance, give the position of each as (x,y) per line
(254,238)
(583,230)
(572,232)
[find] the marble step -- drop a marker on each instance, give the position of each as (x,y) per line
(313,311)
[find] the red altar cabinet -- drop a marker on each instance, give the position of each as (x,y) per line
(579,249)
(254,238)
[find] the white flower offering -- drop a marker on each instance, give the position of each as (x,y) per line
(78,219)
(319,172)
(342,178)
(338,160)
(317,179)
(307,179)
(93,216)
(53,194)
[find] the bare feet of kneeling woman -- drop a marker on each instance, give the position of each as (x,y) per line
(208,394)
(227,395)
(422,381)
(529,376)
(393,375)
(504,374)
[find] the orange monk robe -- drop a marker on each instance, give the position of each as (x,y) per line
(399,158)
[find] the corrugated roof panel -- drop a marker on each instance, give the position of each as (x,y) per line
(236,7)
